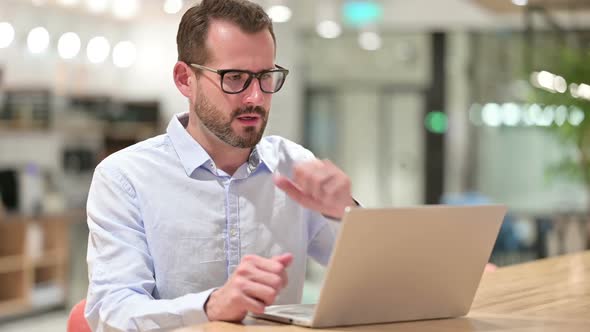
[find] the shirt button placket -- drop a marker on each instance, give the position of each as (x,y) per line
(233,228)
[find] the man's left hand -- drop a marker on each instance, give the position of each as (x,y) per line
(318,185)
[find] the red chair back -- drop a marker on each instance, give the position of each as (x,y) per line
(77,322)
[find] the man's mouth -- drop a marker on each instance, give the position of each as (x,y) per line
(249,119)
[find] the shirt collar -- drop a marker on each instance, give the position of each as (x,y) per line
(267,154)
(192,155)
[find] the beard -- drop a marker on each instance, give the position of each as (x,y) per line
(213,119)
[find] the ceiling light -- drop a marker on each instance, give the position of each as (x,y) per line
(584,91)
(97,6)
(38,40)
(172,6)
(328,29)
(574,90)
(548,81)
(6,34)
(125,9)
(369,40)
(547,116)
(510,114)
(98,49)
(491,115)
(576,116)
(560,115)
(68,45)
(279,13)
(124,54)
(545,80)
(526,115)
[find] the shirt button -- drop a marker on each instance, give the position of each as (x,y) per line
(233,232)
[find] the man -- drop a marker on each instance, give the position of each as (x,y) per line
(203,223)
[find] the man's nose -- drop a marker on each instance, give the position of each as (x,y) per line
(253,95)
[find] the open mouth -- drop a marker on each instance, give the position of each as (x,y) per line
(248,119)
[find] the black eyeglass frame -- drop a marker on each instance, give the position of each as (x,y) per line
(251,75)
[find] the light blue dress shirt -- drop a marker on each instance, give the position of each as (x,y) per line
(167,228)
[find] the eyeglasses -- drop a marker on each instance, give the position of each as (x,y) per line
(234,81)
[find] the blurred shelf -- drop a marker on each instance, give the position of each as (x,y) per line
(52,258)
(33,263)
(70,215)
(13,217)
(47,295)
(13,307)
(11,263)
(10,126)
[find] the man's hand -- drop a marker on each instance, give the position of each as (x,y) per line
(318,185)
(490,267)
(255,284)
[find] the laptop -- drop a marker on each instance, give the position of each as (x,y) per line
(401,264)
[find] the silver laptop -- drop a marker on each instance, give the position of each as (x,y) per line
(401,264)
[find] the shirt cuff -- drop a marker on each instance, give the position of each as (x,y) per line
(189,303)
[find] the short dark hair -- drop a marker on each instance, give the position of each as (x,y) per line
(194,26)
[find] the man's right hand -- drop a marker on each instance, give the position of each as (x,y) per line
(255,284)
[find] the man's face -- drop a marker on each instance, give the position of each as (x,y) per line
(236,119)
(242,127)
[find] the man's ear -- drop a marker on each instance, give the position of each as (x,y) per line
(182,78)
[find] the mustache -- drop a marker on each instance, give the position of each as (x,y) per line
(249,110)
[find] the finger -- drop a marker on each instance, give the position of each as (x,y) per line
(319,181)
(272,280)
(490,267)
(340,185)
(304,175)
(285,259)
(329,163)
(295,193)
(286,185)
(253,305)
(266,264)
(336,188)
(285,279)
(300,178)
(292,190)
(260,292)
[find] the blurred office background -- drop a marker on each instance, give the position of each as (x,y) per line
(420,102)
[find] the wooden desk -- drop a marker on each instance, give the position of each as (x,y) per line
(546,295)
